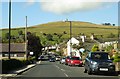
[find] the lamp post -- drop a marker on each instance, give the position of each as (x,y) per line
(26,41)
(9,28)
(70,25)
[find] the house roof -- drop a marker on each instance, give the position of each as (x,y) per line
(15,47)
(73,41)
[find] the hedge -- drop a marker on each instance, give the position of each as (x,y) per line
(12,64)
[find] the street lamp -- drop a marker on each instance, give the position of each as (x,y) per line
(26,41)
(70,24)
(9,27)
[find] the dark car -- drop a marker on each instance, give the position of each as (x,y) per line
(75,61)
(98,62)
(41,57)
(52,60)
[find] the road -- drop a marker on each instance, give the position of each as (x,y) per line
(55,69)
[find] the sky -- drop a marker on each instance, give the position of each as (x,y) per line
(41,11)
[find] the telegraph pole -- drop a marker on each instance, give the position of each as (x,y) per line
(70,29)
(9,28)
(70,25)
(70,37)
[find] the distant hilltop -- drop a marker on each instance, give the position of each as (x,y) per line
(74,23)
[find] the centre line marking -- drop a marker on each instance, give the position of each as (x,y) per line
(62,70)
(57,66)
(66,75)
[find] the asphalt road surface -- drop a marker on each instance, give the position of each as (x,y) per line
(55,69)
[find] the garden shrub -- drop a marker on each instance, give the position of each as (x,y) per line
(12,64)
(116,58)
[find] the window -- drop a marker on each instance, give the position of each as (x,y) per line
(99,56)
(75,58)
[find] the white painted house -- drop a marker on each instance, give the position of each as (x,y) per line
(105,44)
(83,37)
(70,49)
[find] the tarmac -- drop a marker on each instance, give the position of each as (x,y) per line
(19,71)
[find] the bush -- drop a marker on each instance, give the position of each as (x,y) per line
(116,58)
(95,48)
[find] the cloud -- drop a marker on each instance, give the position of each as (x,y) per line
(31,2)
(68,6)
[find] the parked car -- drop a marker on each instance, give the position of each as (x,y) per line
(75,61)
(67,60)
(98,62)
(58,58)
(41,57)
(52,60)
(62,60)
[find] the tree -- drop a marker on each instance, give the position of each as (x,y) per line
(44,34)
(113,24)
(55,34)
(49,37)
(20,32)
(95,48)
(7,35)
(34,44)
(59,36)
(109,48)
(64,32)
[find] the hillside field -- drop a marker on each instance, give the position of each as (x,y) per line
(61,26)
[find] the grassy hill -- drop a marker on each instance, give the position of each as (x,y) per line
(61,26)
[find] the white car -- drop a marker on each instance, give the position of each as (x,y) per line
(62,61)
(58,58)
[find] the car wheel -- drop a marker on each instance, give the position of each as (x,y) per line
(85,71)
(68,64)
(89,71)
(116,73)
(79,65)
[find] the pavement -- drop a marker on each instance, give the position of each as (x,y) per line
(19,71)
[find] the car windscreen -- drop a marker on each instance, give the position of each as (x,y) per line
(52,58)
(75,58)
(99,56)
(42,56)
(68,57)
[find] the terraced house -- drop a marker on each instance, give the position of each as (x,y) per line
(17,50)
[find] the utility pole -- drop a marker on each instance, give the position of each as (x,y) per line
(26,41)
(70,25)
(70,37)
(9,28)
(70,29)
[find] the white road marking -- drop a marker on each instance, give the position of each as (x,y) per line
(66,75)
(57,66)
(62,70)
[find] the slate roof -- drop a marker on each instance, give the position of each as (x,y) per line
(15,47)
